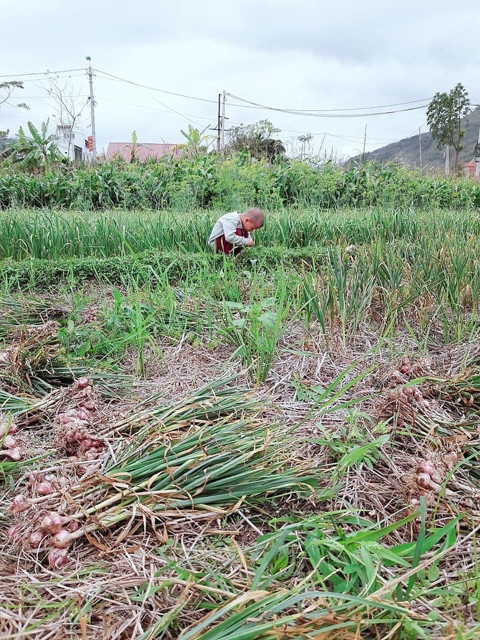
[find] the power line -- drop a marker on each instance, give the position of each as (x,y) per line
(144,86)
(143,107)
(182,115)
(185,116)
(46,96)
(326,114)
(246,104)
(249,104)
(39,73)
(77,75)
(291,109)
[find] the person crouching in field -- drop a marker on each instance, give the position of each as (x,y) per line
(232,231)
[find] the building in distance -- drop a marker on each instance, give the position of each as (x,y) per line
(141,152)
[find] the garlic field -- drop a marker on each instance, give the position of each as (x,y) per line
(280,445)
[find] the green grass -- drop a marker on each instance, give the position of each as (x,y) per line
(56,234)
(350,265)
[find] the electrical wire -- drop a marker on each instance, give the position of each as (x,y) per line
(144,86)
(290,110)
(40,73)
(77,75)
(244,103)
(182,115)
(166,109)
(322,113)
(302,112)
(188,116)
(44,97)
(326,114)
(143,107)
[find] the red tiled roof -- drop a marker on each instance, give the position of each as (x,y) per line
(143,151)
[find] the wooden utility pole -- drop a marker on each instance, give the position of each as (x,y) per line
(447,160)
(92,110)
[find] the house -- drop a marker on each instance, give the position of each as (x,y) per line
(142,152)
(72,142)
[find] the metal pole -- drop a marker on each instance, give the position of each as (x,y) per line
(92,110)
(223,120)
(364,144)
(219,125)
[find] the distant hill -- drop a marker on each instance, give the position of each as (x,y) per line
(407,151)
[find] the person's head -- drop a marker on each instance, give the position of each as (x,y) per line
(252,219)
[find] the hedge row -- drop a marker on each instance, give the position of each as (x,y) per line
(233,183)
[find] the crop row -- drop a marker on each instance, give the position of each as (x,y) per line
(59,234)
(208,181)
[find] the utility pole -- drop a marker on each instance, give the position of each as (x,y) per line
(92,110)
(447,160)
(218,128)
(420,145)
(222,138)
(219,125)
(364,144)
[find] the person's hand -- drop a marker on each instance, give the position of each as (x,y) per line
(249,242)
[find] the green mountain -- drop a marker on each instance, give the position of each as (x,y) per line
(407,151)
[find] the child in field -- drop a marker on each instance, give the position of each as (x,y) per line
(232,231)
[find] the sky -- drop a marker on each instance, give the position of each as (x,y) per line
(328,60)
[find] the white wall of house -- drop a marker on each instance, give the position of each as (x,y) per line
(76,150)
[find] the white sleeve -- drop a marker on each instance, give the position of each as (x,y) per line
(229,231)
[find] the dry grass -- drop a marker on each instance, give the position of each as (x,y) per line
(121,591)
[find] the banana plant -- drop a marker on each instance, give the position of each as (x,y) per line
(196,141)
(37,151)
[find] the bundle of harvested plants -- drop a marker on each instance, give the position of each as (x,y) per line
(188,469)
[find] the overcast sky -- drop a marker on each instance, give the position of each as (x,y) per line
(301,55)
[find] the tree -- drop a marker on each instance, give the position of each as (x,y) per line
(134,148)
(35,152)
(305,144)
(69,107)
(258,139)
(197,142)
(444,116)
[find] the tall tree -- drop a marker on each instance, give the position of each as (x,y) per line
(69,106)
(444,118)
(258,139)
